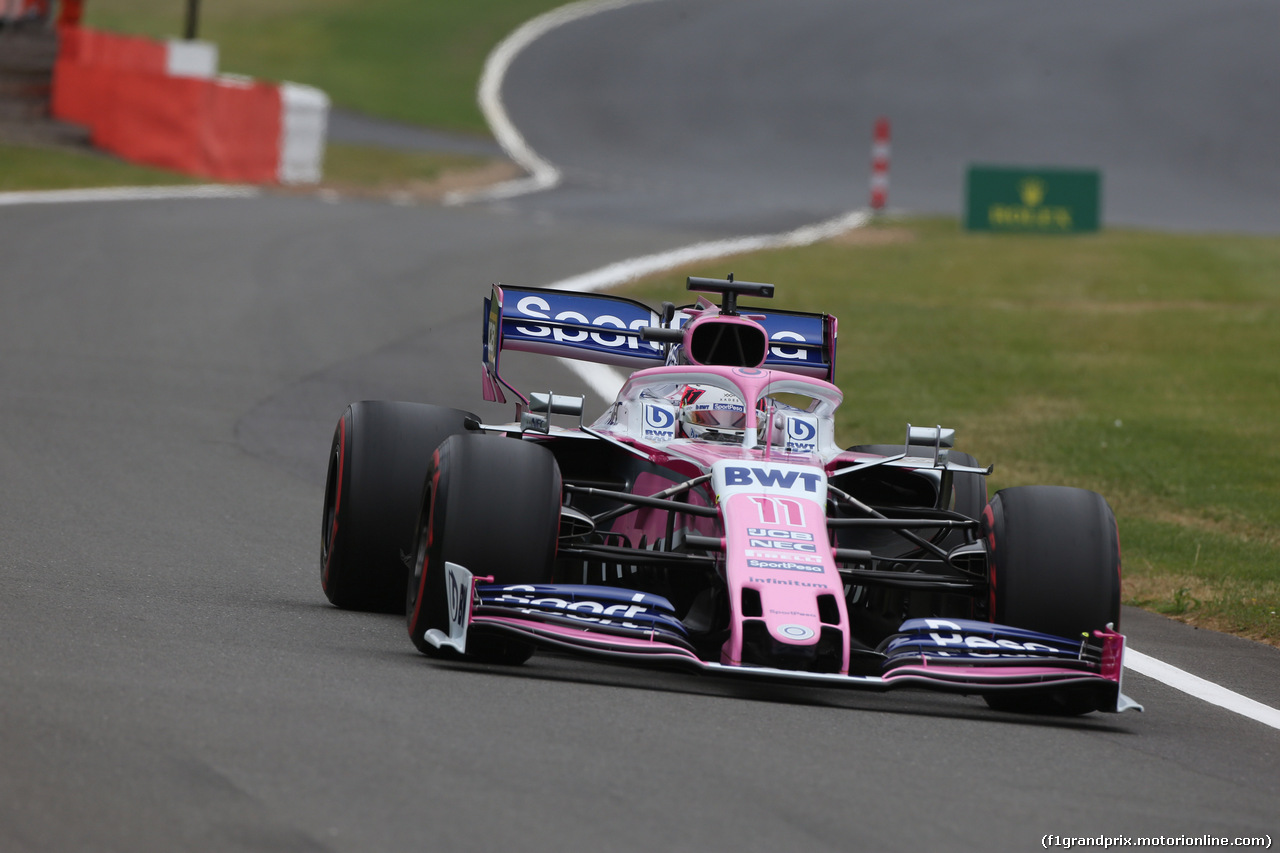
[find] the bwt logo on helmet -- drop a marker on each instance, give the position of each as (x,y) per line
(659,422)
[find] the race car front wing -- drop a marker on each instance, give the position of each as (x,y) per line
(954,655)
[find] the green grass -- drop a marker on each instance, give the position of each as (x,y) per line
(1144,366)
(28,168)
(356,169)
(413,60)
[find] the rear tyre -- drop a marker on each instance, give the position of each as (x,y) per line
(1055,568)
(492,505)
(380,453)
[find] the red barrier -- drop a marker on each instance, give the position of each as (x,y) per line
(214,128)
(241,139)
(149,118)
(84,73)
(229,129)
(95,47)
(74,92)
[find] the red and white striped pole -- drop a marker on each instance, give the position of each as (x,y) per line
(880,166)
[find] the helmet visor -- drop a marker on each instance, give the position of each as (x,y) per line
(717,418)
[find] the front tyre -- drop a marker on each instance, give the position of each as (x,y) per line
(492,505)
(1054,556)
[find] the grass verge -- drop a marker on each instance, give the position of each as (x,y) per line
(26,167)
(405,176)
(350,170)
(1140,365)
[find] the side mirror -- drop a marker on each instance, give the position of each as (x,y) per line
(661,334)
(931,436)
(555,404)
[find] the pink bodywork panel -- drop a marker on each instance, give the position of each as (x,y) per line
(777,545)
(651,524)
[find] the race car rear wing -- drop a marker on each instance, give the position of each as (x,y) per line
(606,329)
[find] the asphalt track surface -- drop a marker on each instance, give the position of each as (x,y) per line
(172,677)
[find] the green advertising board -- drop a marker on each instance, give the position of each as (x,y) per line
(1040,201)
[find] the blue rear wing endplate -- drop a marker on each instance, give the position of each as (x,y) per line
(606,329)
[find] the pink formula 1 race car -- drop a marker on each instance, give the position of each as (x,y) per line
(708,520)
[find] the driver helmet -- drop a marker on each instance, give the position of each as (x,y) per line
(712,414)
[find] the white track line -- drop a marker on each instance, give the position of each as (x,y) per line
(1200,688)
(542,174)
(199,191)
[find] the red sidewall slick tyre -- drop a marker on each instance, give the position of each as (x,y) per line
(1055,560)
(379,456)
(492,505)
(1055,568)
